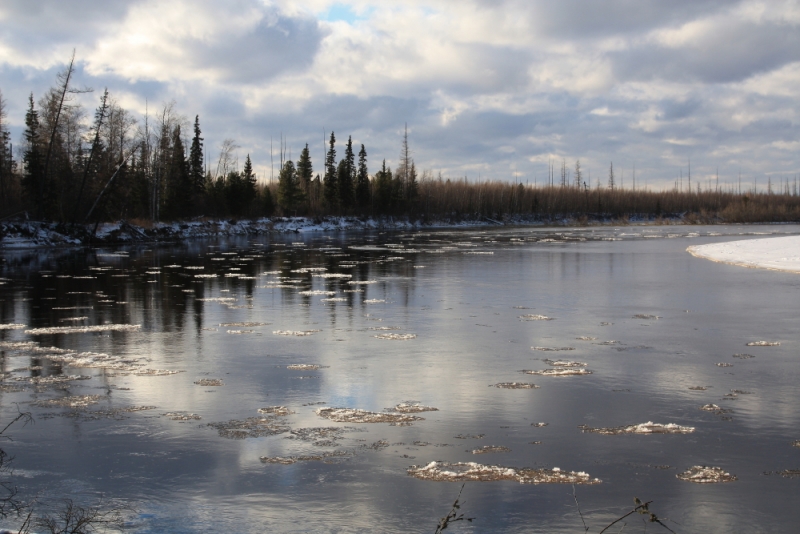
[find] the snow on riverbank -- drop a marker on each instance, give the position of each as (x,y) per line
(776,253)
(32,234)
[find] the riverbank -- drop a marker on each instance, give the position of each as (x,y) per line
(24,234)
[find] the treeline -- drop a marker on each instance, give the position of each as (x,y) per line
(112,167)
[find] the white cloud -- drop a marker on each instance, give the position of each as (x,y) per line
(508,79)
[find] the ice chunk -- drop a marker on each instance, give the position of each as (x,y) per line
(84,329)
(514,385)
(209,382)
(355,415)
(559,372)
(413,407)
(471,471)
(764,344)
(701,474)
(642,428)
(535,317)
(398,337)
(299,333)
(486,449)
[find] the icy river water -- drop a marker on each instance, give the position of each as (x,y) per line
(343,382)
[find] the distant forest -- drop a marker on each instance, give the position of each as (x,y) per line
(113,167)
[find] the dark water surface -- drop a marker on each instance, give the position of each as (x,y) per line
(462,294)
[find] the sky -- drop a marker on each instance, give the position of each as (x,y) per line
(489,90)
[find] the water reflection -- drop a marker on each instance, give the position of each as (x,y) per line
(338,333)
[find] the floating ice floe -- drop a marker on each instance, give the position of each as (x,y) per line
(355,415)
(156,372)
(397,337)
(701,474)
(51,380)
(375,301)
(471,471)
(280,411)
(305,367)
(645,316)
(478,252)
(317,292)
(362,282)
(559,372)
(9,326)
(413,407)
(796,443)
(252,427)
(724,364)
(84,329)
(552,349)
(586,338)
(299,333)
(223,300)
(535,317)
(205,276)
(96,360)
(564,363)
(642,428)
(182,416)
(73,401)
(209,382)
(539,425)
(333,275)
(713,408)
(321,436)
(486,449)
(244,324)
(384,328)
(288,460)
(335,299)
(241,332)
(764,344)
(310,270)
(698,388)
(743,356)
(514,385)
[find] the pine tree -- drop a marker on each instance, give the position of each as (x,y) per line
(33,177)
(305,171)
(329,181)
(345,178)
(362,182)
(196,170)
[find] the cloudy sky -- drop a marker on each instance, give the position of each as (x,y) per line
(488,88)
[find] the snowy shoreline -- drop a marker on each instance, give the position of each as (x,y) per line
(774,253)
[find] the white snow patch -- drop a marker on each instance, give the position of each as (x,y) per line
(775,253)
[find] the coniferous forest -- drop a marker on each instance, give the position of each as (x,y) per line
(74,167)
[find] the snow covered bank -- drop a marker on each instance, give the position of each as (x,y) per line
(776,253)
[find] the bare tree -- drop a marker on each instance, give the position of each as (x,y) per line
(227,157)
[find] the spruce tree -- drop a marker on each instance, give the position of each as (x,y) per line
(383,189)
(329,181)
(178,180)
(345,178)
(305,171)
(362,182)
(196,170)
(289,192)
(249,178)
(33,177)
